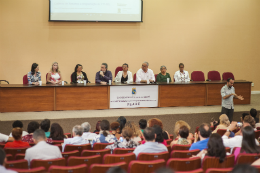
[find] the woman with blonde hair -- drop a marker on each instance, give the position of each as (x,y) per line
(223,123)
(137,134)
(156,121)
(54,76)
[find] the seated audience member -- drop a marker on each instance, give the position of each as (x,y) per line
(77,139)
(104,136)
(163,76)
(164,170)
(78,76)
(142,124)
(183,135)
(122,121)
(57,132)
(19,124)
(45,126)
(243,168)
(32,126)
(145,74)
(248,142)
(3,161)
(223,124)
(41,150)
(103,76)
(116,169)
(97,127)
(137,133)
(87,135)
(156,121)
(5,138)
(17,135)
(124,76)
(250,120)
(115,127)
(177,127)
(243,116)
(127,142)
(253,113)
(215,148)
(204,134)
(181,75)
(150,145)
(235,141)
(54,75)
(159,135)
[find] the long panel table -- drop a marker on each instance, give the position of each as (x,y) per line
(49,97)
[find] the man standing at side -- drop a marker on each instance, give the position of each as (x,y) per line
(144,74)
(227,94)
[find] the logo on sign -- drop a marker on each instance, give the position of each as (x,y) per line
(133,90)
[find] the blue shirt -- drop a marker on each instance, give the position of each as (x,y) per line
(47,134)
(201,145)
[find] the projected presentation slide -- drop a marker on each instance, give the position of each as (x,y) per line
(96,10)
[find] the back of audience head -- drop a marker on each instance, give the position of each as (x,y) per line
(223,119)
(243,168)
(179,124)
(57,132)
(115,126)
(86,127)
(159,133)
(204,130)
(253,112)
(243,115)
(249,119)
(98,126)
(104,126)
(142,123)
(45,125)
(248,141)
(216,147)
(127,133)
(17,123)
(116,169)
(149,134)
(2,157)
(184,132)
(164,170)
(17,133)
(122,122)
(154,121)
(77,130)
(39,135)
(134,127)
(32,126)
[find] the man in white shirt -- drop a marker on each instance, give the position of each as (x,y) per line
(150,146)
(2,163)
(145,74)
(87,135)
(77,139)
(42,150)
(181,75)
(236,141)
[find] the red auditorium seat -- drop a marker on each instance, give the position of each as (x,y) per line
(102,168)
(25,80)
(69,169)
(244,158)
(219,170)
(19,156)
(227,75)
(95,152)
(14,151)
(100,146)
(9,157)
(185,164)
(145,166)
(116,158)
(213,76)
(21,164)
(68,154)
(180,147)
(33,170)
(184,153)
(213,162)
(80,148)
(123,150)
(47,163)
(197,76)
(155,76)
(221,132)
(153,156)
(194,171)
(135,77)
(119,68)
(168,141)
(74,160)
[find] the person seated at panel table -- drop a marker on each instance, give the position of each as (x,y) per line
(181,75)
(162,77)
(54,75)
(144,74)
(78,76)
(34,76)
(124,75)
(103,76)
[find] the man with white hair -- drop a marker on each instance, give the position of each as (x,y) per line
(87,135)
(42,150)
(77,139)
(145,74)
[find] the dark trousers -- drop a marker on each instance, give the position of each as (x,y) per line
(228,112)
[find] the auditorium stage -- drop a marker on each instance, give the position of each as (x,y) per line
(169,115)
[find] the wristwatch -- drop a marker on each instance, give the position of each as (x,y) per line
(228,130)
